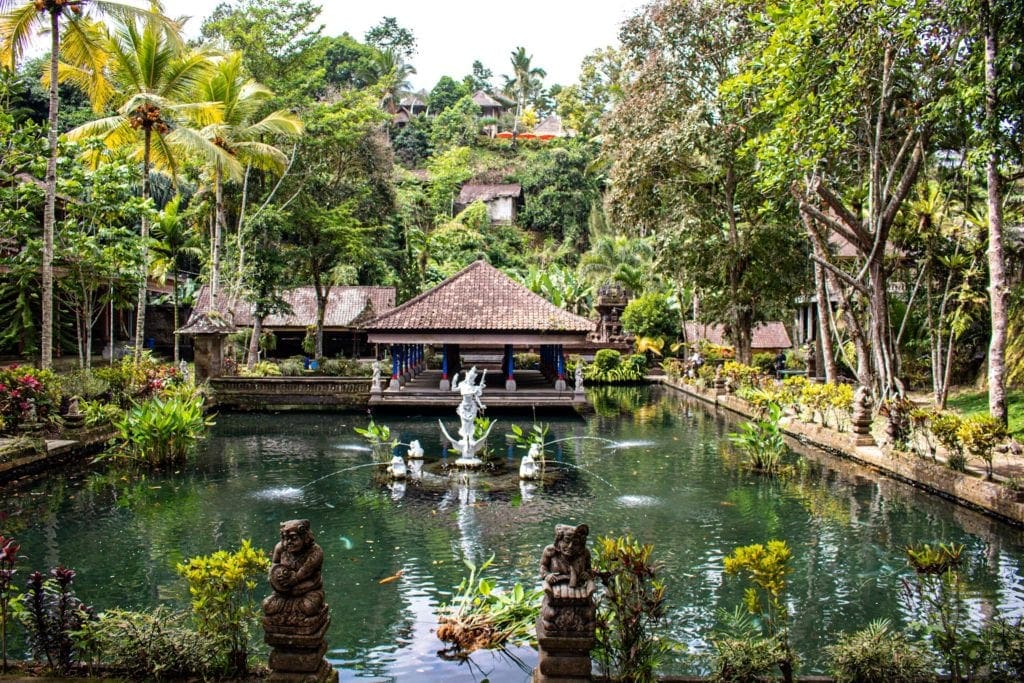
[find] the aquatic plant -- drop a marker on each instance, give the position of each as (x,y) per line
(222,586)
(631,606)
(161,431)
(878,654)
(935,595)
(481,616)
(379,438)
(761,441)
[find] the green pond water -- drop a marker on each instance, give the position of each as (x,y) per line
(668,481)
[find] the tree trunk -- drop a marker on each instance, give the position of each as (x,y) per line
(218,235)
(140,317)
(254,342)
(49,210)
(997,274)
(828,353)
(174,303)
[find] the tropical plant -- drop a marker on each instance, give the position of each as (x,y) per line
(223,589)
(741,652)
(608,367)
(526,81)
(765,567)
(151,78)
(27,394)
(630,608)
(232,126)
(50,614)
(1005,639)
(945,426)
(20,21)
(160,431)
(524,439)
(154,645)
(99,413)
(878,654)
(762,442)
(979,435)
(482,616)
(935,596)
(381,442)
(8,593)
(173,239)
(650,315)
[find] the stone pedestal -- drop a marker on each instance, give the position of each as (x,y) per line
(445,385)
(560,384)
(297,654)
(394,384)
(565,634)
(862,418)
(510,385)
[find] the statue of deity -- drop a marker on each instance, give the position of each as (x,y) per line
(567,560)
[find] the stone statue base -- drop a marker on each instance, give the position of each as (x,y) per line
(445,385)
(579,397)
(560,385)
(469,462)
(394,384)
(864,440)
(510,385)
(565,634)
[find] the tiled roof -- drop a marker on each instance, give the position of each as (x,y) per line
(770,335)
(480,297)
(552,125)
(482,99)
(346,307)
(484,193)
(207,323)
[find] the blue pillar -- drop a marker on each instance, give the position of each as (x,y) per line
(511,362)
(444,361)
(395,361)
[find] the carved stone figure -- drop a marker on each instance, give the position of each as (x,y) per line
(863,405)
(467,410)
(528,468)
(566,626)
(415,450)
(74,418)
(295,616)
(375,387)
(578,376)
(567,560)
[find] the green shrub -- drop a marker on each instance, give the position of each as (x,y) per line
(740,375)
(156,645)
(945,425)
(380,440)
(526,360)
(979,434)
(161,431)
(897,421)
(606,360)
(84,384)
(23,389)
(263,368)
(608,367)
(650,315)
(130,381)
(877,654)
(99,413)
(223,590)
(50,613)
(741,653)
(631,606)
(345,367)
(293,367)
(765,362)
(1006,648)
(675,368)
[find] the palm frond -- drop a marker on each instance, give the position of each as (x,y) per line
(17,29)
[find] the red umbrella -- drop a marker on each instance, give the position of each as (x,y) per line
(504,135)
(527,136)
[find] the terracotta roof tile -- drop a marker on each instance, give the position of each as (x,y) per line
(484,193)
(346,307)
(769,335)
(480,297)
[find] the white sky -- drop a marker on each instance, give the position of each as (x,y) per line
(450,34)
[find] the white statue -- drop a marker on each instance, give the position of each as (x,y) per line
(415,450)
(397,468)
(579,378)
(471,404)
(528,467)
(183,369)
(376,388)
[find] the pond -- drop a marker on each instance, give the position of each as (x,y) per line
(666,479)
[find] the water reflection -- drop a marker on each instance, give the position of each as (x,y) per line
(847,528)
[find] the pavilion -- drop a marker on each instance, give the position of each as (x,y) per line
(478,308)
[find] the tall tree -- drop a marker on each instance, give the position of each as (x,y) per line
(850,92)
(20,21)
(241,135)
(152,79)
(389,36)
(174,238)
(679,175)
(526,81)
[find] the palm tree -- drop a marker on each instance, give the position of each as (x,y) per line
(625,260)
(20,21)
(235,132)
(391,74)
(525,81)
(154,80)
(173,238)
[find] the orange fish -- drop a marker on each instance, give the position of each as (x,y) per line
(394,577)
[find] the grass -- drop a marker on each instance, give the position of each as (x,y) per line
(976,402)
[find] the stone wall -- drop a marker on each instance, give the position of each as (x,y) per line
(279,393)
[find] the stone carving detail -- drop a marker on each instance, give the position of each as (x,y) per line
(862,417)
(295,616)
(565,628)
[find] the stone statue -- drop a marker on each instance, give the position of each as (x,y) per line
(567,622)
(397,469)
(567,560)
(183,369)
(862,417)
(528,468)
(579,378)
(74,419)
(415,450)
(295,616)
(375,385)
(471,404)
